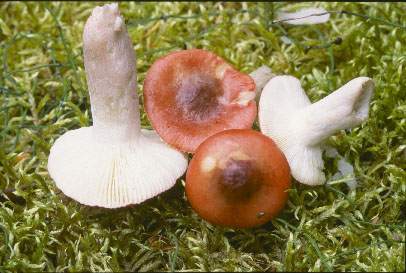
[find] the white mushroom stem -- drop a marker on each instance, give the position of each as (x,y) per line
(110,65)
(298,127)
(261,77)
(345,108)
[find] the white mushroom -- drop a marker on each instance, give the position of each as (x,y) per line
(298,127)
(112,163)
(261,77)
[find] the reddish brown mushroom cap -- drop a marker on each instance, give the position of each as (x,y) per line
(190,95)
(238,178)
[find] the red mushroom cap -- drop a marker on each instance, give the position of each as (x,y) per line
(190,95)
(238,178)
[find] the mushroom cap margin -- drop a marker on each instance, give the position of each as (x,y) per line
(112,176)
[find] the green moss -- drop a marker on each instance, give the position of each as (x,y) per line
(44,93)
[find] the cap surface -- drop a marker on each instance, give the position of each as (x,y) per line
(238,178)
(95,173)
(190,95)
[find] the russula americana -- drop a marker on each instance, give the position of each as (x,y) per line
(238,178)
(112,163)
(192,94)
(299,127)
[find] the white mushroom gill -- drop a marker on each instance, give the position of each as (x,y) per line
(298,127)
(112,163)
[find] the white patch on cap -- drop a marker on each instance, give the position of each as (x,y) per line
(221,69)
(208,164)
(244,98)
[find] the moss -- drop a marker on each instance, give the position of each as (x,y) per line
(44,93)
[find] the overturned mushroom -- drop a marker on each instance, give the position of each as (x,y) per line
(238,178)
(298,127)
(112,163)
(190,95)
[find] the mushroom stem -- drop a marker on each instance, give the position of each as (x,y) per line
(111,78)
(345,108)
(261,77)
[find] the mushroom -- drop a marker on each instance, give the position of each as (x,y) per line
(261,77)
(190,95)
(298,127)
(112,163)
(238,178)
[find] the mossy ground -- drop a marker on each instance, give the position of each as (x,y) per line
(44,94)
